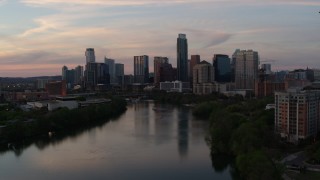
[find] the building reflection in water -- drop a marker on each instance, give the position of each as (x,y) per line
(141,119)
(163,122)
(183,136)
(157,122)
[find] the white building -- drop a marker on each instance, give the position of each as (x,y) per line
(53,105)
(175,86)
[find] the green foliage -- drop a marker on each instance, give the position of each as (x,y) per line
(246,139)
(223,124)
(256,165)
(242,128)
(63,119)
(180,98)
(204,109)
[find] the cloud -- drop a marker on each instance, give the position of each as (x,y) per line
(108,3)
(44,26)
(121,29)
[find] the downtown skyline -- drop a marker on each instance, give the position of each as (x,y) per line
(39,37)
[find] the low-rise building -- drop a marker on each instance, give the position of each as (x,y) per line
(175,86)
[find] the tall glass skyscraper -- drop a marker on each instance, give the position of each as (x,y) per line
(119,72)
(141,69)
(182,58)
(111,65)
(222,68)
(90,56)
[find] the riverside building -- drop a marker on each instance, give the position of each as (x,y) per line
(297,114)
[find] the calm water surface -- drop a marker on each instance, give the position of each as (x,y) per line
(147,142)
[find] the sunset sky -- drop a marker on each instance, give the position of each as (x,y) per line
(38,37)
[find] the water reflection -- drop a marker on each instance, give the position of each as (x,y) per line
(147,142)
(183,136)
(141,119)
(162,121)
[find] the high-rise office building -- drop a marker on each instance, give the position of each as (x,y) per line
(78,75)
(203,73)
(96,73)
(233,65)
(166,73)
(203,78)
(90,56)
(119,73)
(246,69)
(64,72)
(141,69)
(158,61)
(222,68)
(68,76)
(111,65)
(195,59)
(297,114)
(182,58)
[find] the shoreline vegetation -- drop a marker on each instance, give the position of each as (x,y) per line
(242,131)
(28,127)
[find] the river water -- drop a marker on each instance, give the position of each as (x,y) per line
(149,141)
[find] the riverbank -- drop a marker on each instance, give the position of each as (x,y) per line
(244,130)
(139,144)
(60,120)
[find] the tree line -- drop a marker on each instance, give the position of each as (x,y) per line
(243,129)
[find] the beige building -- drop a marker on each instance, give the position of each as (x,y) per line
(246,68)
(203,78)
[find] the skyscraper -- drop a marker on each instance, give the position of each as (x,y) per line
(182,58)
(246,68)
(110,63)
(141,69)
(64,72)
(222,68)
(233,65)
(119,73)
(203,78)
(158,61)
(195,59)
(90,56)
(96,73)
(78,75)
(166,73)
(68,76)
(203,73)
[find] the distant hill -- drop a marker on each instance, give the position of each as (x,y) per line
(27,79)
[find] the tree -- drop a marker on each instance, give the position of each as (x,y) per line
(256,165)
